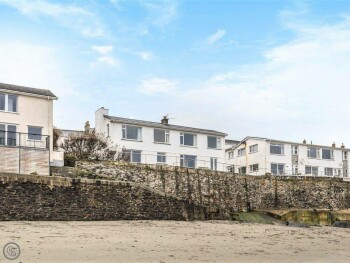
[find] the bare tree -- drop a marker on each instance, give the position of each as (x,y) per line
(92,146)
(57,133)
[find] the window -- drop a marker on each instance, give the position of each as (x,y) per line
(161,157)
(231,169)
(213,164)
(34,133)
(254,168)
(253,148)
(214,142)
(276,148)
(2,102)
(241,152)
(313,152)
(8,135)
(12,103)
(188,139)
(133,156)
(328,171)
(294,150)
(2,134)
(131,132)
(161,136)
(107,130)
(311,170)
(8,102)
(188,161)
(345,155)
(242,170)
(230,154)
(295,170)
(327,154)
(277,168)
(337,172)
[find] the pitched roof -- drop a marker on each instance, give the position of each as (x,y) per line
(163,126)
(41,92)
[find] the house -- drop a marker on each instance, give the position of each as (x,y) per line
(258,156)
(26,127)
(163,143)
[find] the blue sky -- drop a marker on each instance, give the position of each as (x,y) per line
(276,69)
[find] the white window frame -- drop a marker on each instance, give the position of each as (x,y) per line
(7,102)
(183,160)
(331,154)
(213,164)
(218,142)
(6,134)
(231,169)
(295,149)
(124,132)
(166,136)
(253,148)
(241,152)
(231,154)
(312,168)
(330,169)
(344,155)
(161,155)
(254,168)
(280,145)
(317,153)
(182,138)
(284,168)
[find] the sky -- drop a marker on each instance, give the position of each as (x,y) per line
(275,69)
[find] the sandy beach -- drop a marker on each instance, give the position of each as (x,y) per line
(169,241)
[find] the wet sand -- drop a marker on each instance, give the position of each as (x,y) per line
(170,241)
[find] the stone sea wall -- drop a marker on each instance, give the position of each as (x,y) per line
(31,197)
(224,190)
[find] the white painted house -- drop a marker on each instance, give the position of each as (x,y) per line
(258,156)
(164,143)
(26,127)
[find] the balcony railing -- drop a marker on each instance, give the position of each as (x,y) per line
(17,139)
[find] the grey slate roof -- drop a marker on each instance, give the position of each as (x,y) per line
(163,126)
(42,92)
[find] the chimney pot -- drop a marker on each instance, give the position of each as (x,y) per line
(304,141)
(165,120)
(87,127)
(342,146)
(333,144)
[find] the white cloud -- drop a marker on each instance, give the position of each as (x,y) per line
(161,13)
(66,15)
(103,50)
(300,91)
(216,36)
(146,55)
(157,85)
(107,60)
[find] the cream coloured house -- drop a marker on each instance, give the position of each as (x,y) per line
(26,127)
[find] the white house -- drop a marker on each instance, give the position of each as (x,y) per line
(26,122)
(258,156)
(164,143)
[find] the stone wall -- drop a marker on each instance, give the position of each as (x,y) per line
(30,197)
(224,190)
(24,160)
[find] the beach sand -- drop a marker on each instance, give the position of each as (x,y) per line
(171,241)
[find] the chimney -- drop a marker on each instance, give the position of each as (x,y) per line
(333,144)
(304,141)
(87,127)
(342,146)
(165,120)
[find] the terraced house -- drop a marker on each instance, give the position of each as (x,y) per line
(26,127)
(258,156)
(164,143)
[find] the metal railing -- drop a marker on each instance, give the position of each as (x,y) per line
(137,156)
(17,139)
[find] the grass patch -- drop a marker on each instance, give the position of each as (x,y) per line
(252,217)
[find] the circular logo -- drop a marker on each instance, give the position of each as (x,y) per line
(11,251)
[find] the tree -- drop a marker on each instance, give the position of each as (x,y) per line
(57,133)
(91,146)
